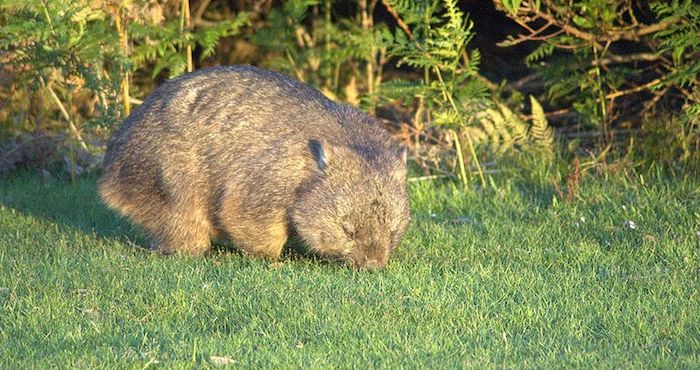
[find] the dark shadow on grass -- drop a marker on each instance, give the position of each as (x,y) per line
(76,205)
(73,204)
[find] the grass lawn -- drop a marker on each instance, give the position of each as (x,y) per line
(504,279)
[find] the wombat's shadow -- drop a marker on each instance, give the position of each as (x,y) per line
(77,206)
(70,204)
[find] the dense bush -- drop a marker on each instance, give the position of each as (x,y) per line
(618,62)
(71,69)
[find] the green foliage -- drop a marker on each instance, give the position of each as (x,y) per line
(79,58)
(62,35)
(540,133)
(450,85)
(304,51)
(164,45)
(542,51)
(683,42)
(671,140)
(450,89)
(323,52)
(66,43)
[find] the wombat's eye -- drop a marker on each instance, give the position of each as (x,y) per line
(349,229)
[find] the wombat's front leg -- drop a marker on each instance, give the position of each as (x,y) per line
(264,240)
(253,224)
(260,235)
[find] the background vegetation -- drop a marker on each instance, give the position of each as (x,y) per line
(537,87)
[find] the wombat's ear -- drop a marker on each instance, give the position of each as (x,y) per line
(320,154)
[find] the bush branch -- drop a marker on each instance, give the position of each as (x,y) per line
(71,126)
(398,19)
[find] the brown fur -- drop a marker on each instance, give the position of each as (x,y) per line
(255,157)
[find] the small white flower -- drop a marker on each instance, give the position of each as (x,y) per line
(624,207)
(583,219)
(631,224)
(697,233)
(433,215)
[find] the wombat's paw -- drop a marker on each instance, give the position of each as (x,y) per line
(371,265)
(262,253)
(168,250)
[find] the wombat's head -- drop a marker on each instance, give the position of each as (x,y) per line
(355,209)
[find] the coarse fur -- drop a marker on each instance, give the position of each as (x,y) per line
(255,157)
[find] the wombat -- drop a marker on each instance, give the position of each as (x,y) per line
(256,157)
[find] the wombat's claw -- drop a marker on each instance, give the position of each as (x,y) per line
(156,248)
(153,247)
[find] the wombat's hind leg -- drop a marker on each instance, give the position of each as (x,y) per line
(180,232)
(176,219)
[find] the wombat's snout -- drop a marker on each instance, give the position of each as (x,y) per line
(369,262)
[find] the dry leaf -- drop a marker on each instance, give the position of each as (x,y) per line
(221,361)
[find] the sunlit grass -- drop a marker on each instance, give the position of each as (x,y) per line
(508,278)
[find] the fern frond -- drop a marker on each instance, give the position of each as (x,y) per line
(540,133)
(517,128)
(544,50)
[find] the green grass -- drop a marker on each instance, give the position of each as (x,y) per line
(505,279)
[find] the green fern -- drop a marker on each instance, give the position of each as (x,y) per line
(540,133)
(682,41)
(503,132)
(450,86)
(542,51)
(437,48)
(502,129)
(321,51)
(164,45)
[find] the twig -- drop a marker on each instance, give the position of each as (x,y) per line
(186,26)
(629,34)
(629,58)
(124,44)
(199,13)
(398,19)
(71,125)
(633,34)
(460,158)
(469,138)
(635,89)
(431,177)
(657,96)
(551,115)
(519,84)
(586,134)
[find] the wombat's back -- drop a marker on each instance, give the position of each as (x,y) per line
(223,101)
(235,119)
